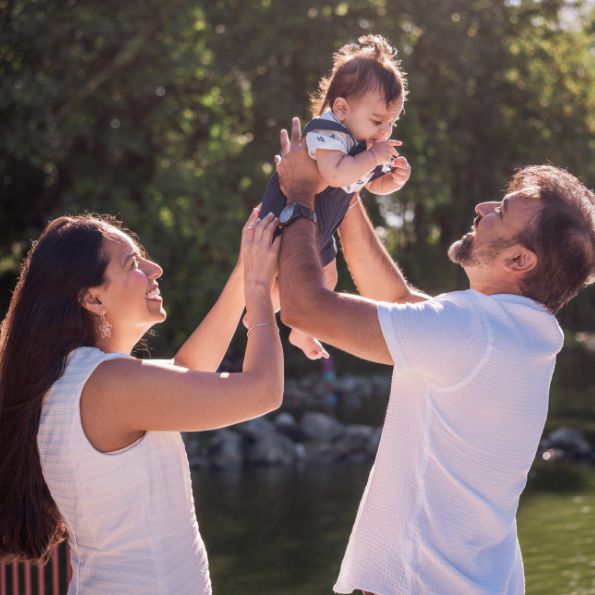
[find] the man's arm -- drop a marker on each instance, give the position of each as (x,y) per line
(347,322)
(374,272)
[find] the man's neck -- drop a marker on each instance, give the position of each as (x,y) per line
(492,288)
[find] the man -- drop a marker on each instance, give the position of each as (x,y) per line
(471,378)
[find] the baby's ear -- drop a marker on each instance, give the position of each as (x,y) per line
(340,108)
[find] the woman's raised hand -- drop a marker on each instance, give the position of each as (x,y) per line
(259,253)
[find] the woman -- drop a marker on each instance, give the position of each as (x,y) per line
(89,435)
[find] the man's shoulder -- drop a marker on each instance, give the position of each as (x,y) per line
(462,297)
(455,310)
(448,303)
(519,320)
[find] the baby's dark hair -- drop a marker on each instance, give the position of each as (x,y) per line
(358,68)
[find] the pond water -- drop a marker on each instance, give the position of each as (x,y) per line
(284,531)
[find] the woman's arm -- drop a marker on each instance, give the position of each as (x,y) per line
(125,397)
(375,273)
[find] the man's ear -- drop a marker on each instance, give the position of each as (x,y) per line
(520,260)
(90,301)
(340,108)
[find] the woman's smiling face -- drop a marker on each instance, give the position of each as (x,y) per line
(130,292)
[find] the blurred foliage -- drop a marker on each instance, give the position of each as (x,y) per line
(167,115)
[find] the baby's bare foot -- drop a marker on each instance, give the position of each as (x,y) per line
(311,347)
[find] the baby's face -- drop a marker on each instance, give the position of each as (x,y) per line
(369,118)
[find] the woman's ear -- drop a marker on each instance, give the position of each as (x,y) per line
(340,108)
(521,261)
(89,300)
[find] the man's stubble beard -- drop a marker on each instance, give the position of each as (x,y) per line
(464,252)
(461,252)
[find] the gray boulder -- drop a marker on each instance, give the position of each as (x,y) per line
(349,384)
(569,440)
(254,428)
(356,443)
(375,440)
(285,424)
(319,452)
(381,384)
(225,449)
(321,427)
(195,451)
(271,449)
(297,396)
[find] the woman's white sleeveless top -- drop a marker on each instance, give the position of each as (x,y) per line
(130,514)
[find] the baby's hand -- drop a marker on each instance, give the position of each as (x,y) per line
(385,150)
(400,172)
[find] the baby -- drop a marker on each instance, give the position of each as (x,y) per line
(355,110)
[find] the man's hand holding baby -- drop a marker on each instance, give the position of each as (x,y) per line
(299,176)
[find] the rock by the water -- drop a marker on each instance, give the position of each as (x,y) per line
(375,440)
(319,452)
(356,443)
(286,424)
(225,449)
(254,427)
(321,427)
(569,440)
(196,455)
(271,449)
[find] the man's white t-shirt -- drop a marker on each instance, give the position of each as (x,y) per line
(467,408)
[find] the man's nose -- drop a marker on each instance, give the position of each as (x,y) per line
(155,271)
(483,208)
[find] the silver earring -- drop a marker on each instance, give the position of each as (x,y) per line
(105,328)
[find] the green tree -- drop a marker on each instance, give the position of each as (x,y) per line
(167,114)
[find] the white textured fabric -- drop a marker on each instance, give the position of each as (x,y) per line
(467,408)
(333,140)
(130,514)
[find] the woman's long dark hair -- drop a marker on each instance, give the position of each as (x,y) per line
(44,323)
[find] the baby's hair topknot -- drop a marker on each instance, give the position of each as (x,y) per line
(370,64)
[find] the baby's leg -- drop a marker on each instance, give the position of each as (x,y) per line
(330,274)
(312,347)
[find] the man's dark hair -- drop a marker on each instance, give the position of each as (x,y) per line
(562,236)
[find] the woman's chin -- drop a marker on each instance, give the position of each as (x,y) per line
(161,316)
(151,321)
(157,312)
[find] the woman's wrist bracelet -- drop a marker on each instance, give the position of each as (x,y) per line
(261,324)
